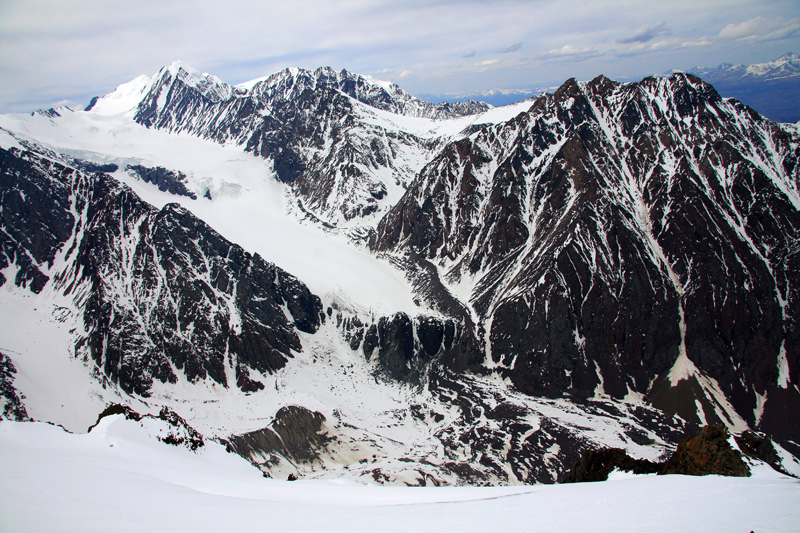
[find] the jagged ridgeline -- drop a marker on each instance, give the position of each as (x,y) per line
(616,259)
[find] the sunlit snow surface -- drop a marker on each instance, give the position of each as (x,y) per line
(119,478)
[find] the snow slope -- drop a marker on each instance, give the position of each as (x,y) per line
(119,478)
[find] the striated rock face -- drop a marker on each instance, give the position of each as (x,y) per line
(596,465)
(163,178)
(625,238)
(160,291)
(295,433)
(759,446)
(405,346)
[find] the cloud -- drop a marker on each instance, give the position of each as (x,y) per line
(757,29)
(513,48)
(405,74)
(760,29)
(469,54)
(701,42)
(484,65)
(570,52)
(646,33)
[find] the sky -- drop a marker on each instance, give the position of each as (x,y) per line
(57,50)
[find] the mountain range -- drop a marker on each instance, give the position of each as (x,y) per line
(335,278)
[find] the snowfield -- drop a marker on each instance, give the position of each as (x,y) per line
(119,477)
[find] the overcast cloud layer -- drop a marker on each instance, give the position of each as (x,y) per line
(51,50)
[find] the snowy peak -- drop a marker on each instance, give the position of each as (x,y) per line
(124,99)
(130,96)
(208,85)
(174,80)
(382,95)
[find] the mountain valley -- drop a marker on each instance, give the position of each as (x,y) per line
(338,280)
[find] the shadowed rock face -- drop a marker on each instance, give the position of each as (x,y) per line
(708,453)
(11,405)
(596,465)
(165,179)
(160,290)
(406,346)
(615,227)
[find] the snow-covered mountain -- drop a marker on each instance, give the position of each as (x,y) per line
(624,239)
(336,278)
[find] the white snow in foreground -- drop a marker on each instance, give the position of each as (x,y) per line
(119,478)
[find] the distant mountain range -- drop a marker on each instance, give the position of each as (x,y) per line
(785,67)
(495,97)
(772,88)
